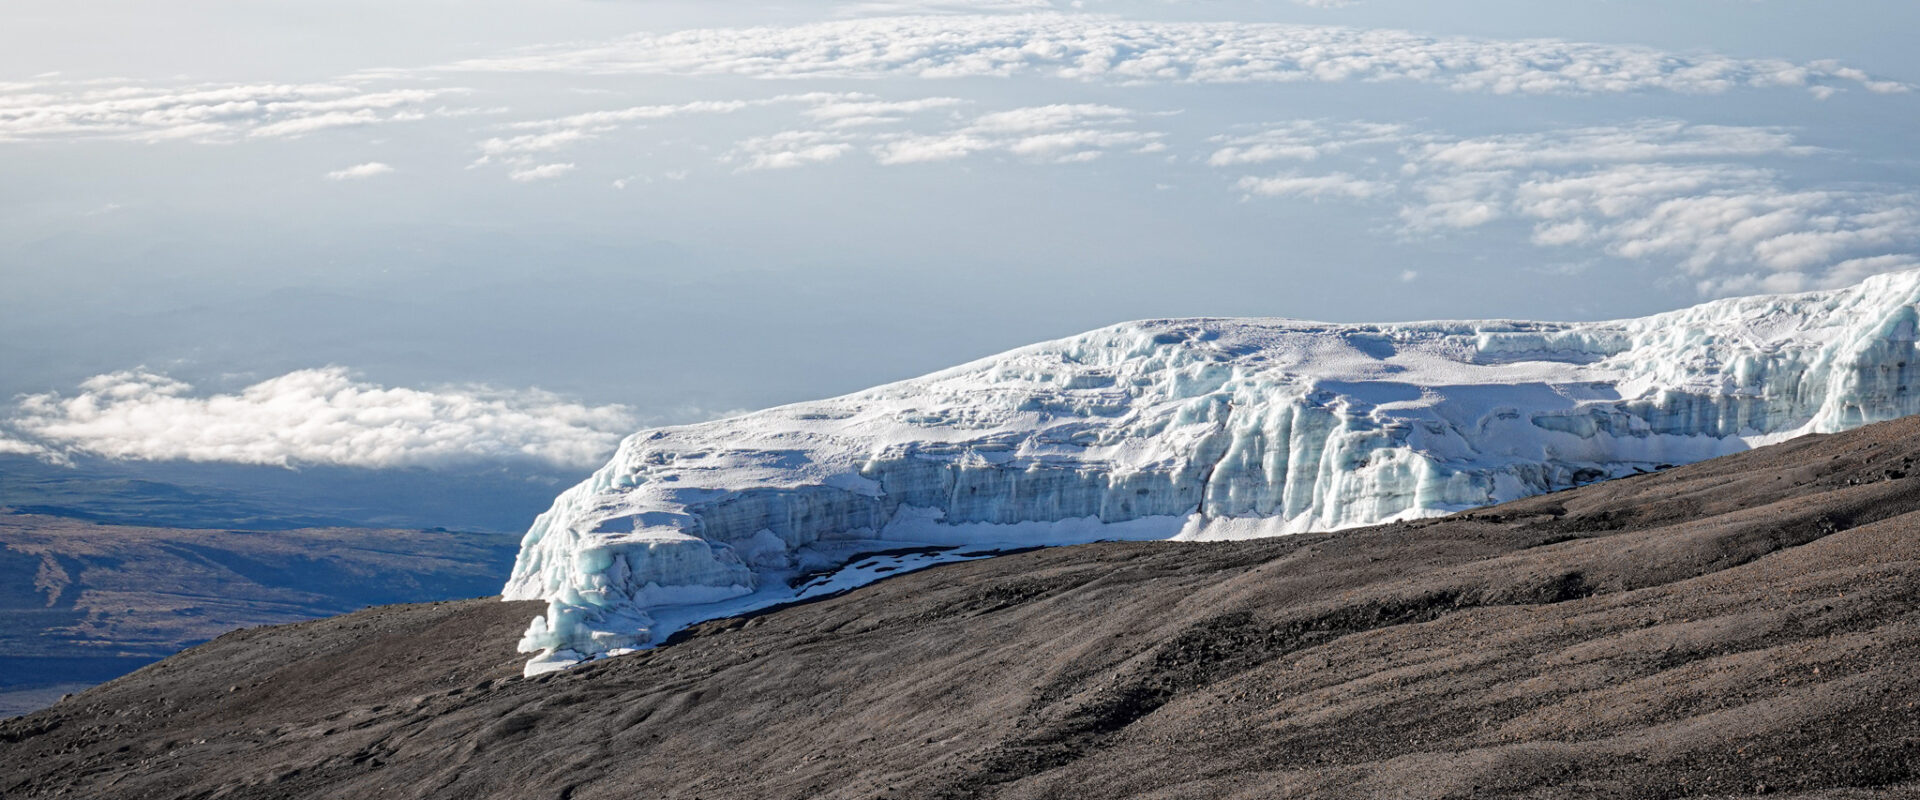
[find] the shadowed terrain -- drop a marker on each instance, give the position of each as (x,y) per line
(1745,626)
(82,603)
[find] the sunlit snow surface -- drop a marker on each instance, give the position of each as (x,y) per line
(1192,428)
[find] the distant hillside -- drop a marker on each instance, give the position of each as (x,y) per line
(177,494)
(82,603)
(1744,626)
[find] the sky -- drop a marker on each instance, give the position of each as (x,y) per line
(448,235)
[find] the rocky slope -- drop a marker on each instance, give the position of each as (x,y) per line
(1742,626)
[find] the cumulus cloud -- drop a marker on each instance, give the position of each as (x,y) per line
(1653,140)
(359,171)
(1732,229)
(853,110)
(842,122)
(1654,190)
(510,146)
(1668,191)
(1456,201)
(832,110)
(1060,133)
(1090,48)
(208,113)
(316,417)
(1302,140)
(913,7)
(14,447)
(788,149)
(1338,184)
(540,172)
(601,120)
(522,154)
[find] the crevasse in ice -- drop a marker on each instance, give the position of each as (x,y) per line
(1194,428)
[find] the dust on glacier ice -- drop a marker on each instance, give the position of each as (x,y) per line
(1189,428)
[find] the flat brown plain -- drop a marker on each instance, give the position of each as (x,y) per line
(1746,626)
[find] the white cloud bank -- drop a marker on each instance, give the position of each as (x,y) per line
(1087,47)
(1059,134)
(206,113)
(1654,190)
(844,122)
(832,110)
(359,172)
(315,417)
(540,172)
(1338,184)
(873,8)
(1734,230)
(787,149)
(14,447)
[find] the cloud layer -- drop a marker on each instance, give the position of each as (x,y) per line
(1059,133)
(315,417)
(359,172)
(1085,47)
(908,131)
(1656,190)
(208,113)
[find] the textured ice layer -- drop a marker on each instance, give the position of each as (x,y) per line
(1196,428)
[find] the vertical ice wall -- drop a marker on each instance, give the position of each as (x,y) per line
(1198,428)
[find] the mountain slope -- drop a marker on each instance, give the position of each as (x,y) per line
(1205,429)
(1746,625)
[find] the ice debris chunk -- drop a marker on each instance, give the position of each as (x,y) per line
(1193,429)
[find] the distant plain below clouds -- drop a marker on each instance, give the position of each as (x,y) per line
(320,417)
(1084,47)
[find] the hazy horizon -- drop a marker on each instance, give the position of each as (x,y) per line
(454,235)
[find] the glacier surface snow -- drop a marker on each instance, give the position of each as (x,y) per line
(1191,429)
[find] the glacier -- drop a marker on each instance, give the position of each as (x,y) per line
(1188,429)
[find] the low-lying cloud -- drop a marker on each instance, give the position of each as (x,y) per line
(1055,134)
(1338,184)
(320,416)
(1097,48)
(205,113)
(1060,133)
(359,172)
(1653,190)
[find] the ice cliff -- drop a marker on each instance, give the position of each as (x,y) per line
(1192,428)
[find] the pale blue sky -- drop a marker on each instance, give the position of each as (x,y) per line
(812,197)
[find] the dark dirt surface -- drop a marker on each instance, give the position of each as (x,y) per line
(1746,626)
